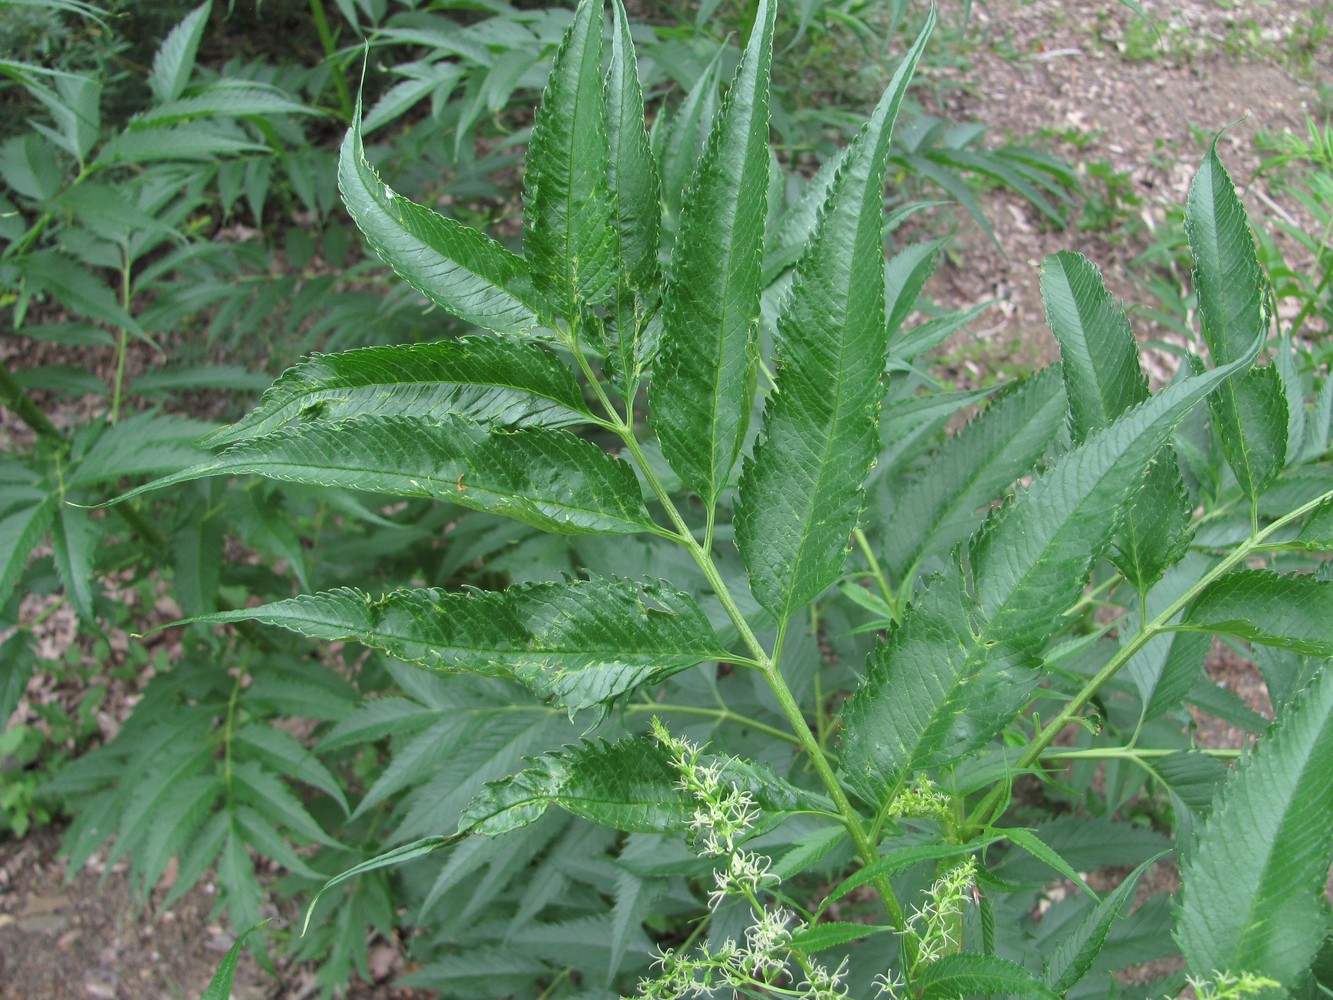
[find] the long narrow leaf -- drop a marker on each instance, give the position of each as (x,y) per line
(580,643)
(706,373)
(801,495)
(1250,898)
(465,273)
(493,382)
(569,239)
(1290,612)
(550,479)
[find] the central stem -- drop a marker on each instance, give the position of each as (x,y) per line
(767,663)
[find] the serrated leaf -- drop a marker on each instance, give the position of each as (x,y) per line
(1043,852)
(19,533)
(636,199)
(1250,897)
(1098,354)
(706,372)
(492,382)
(579,643)
(1251,423)
(899,860)
(1157,525)
(74,539)
(174,61)
(229,98)
(1317,532)
(462,271)
(963,975)
(274,799)
(832,934)
(630,785)
(801,494)
(1077,949)
(140,445)
(547,478)
(939,509)
(686,135)
(569,237)
(1250,413)
(904,276)
(283,752)
(948,677)
(1291,612)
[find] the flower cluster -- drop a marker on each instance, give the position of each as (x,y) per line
(935,923)
(765,959)
(921,801)
(1224,986)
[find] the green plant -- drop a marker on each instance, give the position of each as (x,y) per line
(1132,509)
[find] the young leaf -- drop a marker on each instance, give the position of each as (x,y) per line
(1250,414)
(462,271)
(1291,612)
(174,61)
(1157,525)
(1250,897)
(706,373)
(944,681)
(1097,350)
(801,495)
(73,541)
(569,240)
(219,987)
(580,643)
(494,382)
(549,479)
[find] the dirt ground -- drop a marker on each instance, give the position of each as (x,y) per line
(1085,74)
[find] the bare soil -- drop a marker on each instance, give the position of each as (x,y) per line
(1100,88)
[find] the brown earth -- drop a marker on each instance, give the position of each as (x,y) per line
(1086,75)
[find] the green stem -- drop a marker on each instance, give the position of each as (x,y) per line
(13,396)
(851,820)
(877,572)
(720,714)
(330,52)
(1133,753)
(123,341)
(1147,632)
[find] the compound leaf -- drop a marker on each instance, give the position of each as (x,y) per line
(500,383)
(569,239)
(801,495)
(462,271)
(946,678)
(579,643)
(19,533)
(550,479)
(707,369)
(1250,898)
